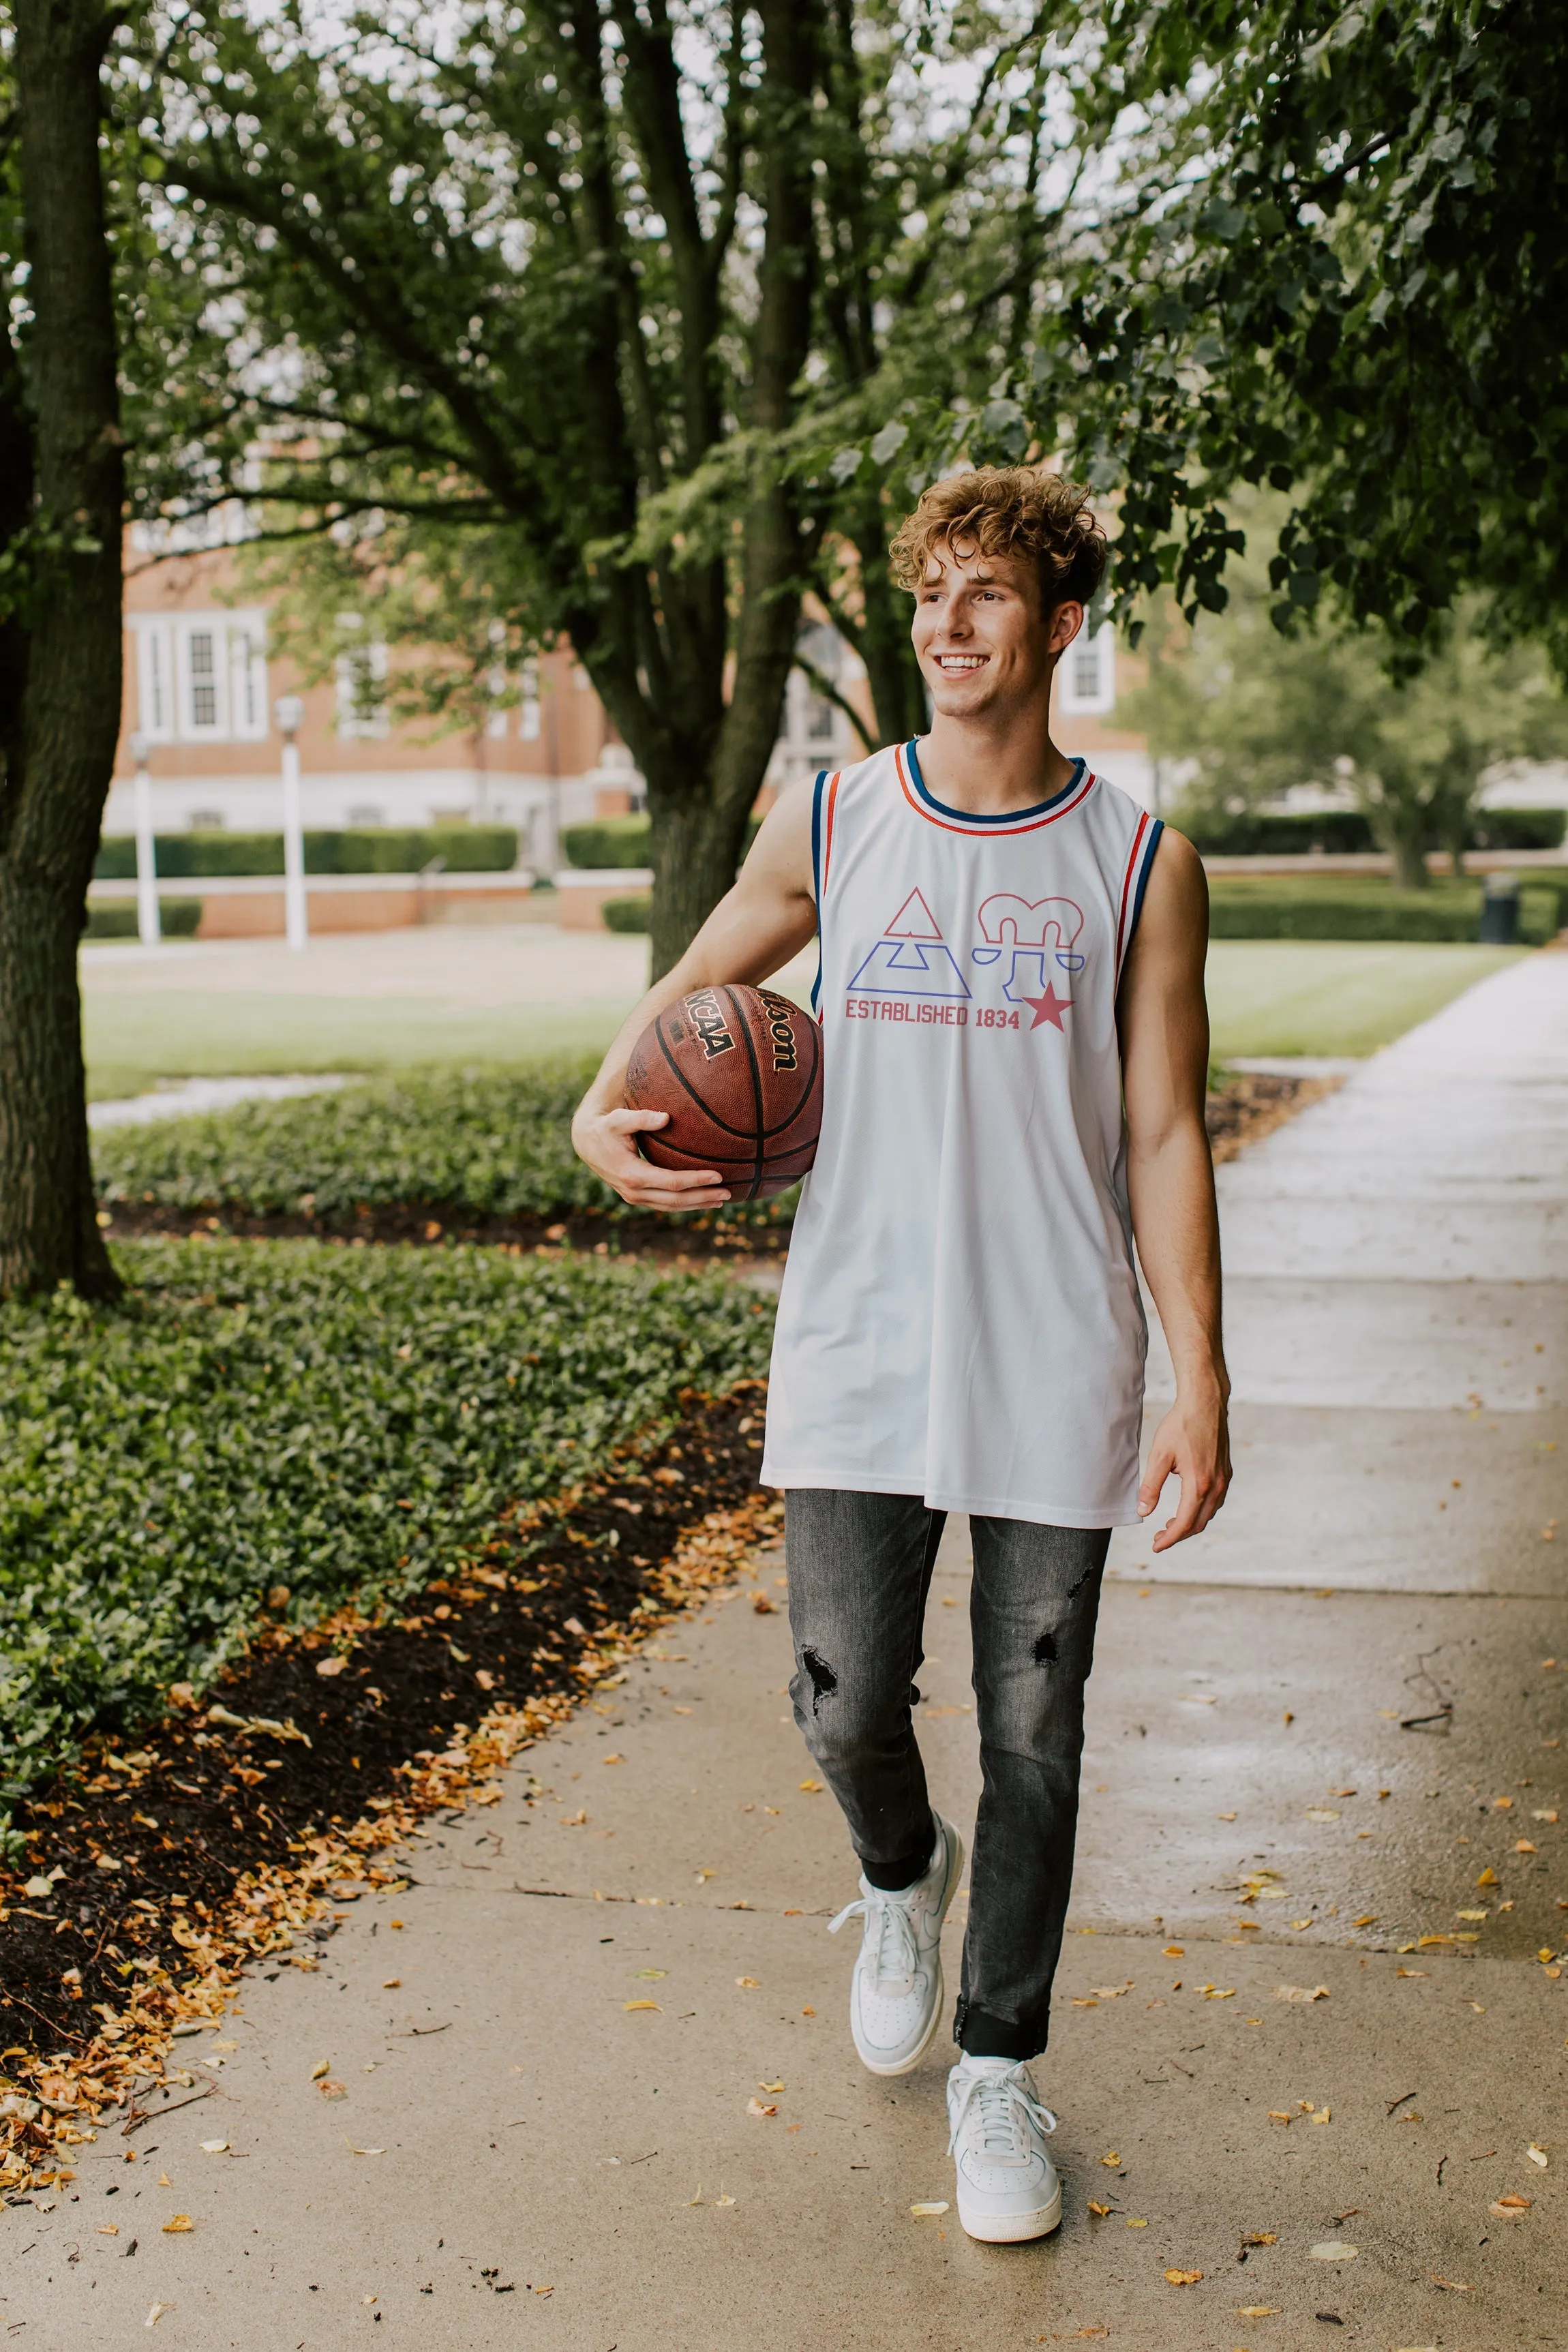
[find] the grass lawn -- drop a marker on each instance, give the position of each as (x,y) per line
(133,1041)
(1311,996)
(402,1000)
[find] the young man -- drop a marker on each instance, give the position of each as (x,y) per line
(1014,1051)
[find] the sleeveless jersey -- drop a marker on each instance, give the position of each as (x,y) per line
(960,1318)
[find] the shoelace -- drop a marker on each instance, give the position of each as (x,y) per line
(897,1957)
(997,2098)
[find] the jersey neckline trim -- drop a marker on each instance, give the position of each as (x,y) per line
(1076,790)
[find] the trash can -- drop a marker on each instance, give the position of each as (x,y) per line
(1499,911)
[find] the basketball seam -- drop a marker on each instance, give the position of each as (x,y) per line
(745,1029)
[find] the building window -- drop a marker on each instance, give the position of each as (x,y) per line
(365,815)
(813,721)
(1089,671)
(200,677)
(362,679)
(527,716)
(206,821)
(203,672)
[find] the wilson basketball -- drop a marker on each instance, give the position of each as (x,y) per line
(739,1071)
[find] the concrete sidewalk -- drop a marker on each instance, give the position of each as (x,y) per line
(529,2153)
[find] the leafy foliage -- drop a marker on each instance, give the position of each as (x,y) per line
(495,1144)
(1252,714)
(1353,288)
(334,1421)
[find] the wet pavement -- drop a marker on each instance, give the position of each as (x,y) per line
(1311,2032)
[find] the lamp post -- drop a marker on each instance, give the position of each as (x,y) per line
(149,928)
(291,711)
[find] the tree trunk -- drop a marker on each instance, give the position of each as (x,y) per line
(696,849)
(59,733)
(898,690)
(1402,828)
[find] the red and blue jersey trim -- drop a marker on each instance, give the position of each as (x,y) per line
(1073,794)
(1135,881)
(823,808)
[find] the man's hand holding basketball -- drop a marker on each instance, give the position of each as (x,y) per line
(607,1139)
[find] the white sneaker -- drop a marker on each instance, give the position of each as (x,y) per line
(1007,2185)
(895,1995)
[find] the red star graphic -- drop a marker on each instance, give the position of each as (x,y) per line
(1049,1007)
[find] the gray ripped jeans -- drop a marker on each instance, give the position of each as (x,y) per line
(860,1572)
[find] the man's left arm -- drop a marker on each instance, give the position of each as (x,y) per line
(1163,1021)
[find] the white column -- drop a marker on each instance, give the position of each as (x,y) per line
(290,712)
(149,928)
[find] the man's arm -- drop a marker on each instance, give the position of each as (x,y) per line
(1170,1180)
(768,917)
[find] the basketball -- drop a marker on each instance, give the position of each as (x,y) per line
(739,1071)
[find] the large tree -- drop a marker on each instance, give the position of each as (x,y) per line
(61,490)
(629,298)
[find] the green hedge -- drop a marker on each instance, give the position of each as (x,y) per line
(612,841)
(626,914)
(368,849)
(178,919)
(1346,832)
(291,1412)
(608,841)
(1242,908)
(495,1144)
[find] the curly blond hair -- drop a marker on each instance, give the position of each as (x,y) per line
(1020,511)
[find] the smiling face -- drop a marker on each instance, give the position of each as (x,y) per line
(983,641)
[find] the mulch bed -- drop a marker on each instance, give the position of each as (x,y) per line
(1250,1106)
(1245,1109)
(215,1837)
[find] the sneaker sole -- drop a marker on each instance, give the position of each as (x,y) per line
(907,2065)
(1011,2229)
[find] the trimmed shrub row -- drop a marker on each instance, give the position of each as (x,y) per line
(492,1144)
(1346,832)
(178,919)
(1266,908)
(368,849)
(626,914)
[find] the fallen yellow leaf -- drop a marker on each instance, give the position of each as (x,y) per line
(1258,2311)
(391,1984)
(923,2212)
(1183,2278)
(179,2223)
(755,2108)
(1261,2238)
(109,2229)
(1095,2206)
(1300,1992)
(1112,2159)
(215,2147)
(1133,2222)
(770,2086)
(812,1788)
(749,1984)
(1175,1951)
(1537,2154)
(642,2004)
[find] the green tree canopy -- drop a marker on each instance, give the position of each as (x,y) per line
(1356,292)
(612,291)
(1245,714)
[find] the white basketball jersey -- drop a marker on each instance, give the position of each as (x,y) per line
(959,1316)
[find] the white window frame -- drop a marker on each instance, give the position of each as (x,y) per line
(248,677)
(155,679)
(355,724)
(529,718)
(166,678)
(1101,645)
